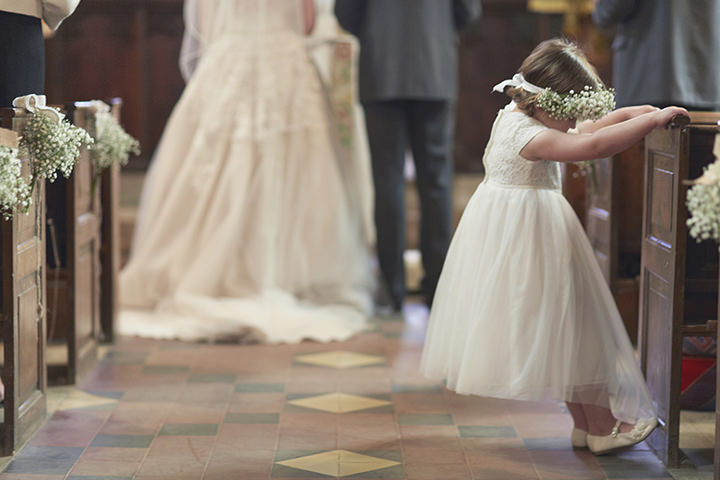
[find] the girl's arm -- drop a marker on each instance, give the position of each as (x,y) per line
(616,116)
(558,146)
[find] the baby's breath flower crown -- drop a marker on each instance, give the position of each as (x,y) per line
(587,104)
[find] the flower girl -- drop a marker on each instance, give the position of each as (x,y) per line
(522,310)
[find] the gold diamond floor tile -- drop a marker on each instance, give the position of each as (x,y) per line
(339,402)
(340,359)
(79,399)
(338,463)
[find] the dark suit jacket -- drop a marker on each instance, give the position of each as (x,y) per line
(408,48)
(665,51)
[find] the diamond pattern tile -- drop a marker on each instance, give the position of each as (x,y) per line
(339,463)
(340,359)
(339,402)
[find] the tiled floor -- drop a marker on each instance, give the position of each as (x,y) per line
(154,410)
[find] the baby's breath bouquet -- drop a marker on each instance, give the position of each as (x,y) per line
(112,143)
(703,202)
(52,146)
(14,190)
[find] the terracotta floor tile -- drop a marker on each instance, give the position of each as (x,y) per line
(433,455)
(419,403)
(439,471)
(225,469)
(260,437)
(196,414)
(257,402)
(98,461)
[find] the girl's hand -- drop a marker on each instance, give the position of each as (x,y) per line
(663,117)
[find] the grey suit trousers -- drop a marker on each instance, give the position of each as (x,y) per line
(426,127)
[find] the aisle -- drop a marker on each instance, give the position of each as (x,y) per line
(155,410)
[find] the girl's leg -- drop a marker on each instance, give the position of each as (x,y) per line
(577,412)
(600,420)
(598,417)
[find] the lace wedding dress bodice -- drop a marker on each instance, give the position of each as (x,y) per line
(503,164)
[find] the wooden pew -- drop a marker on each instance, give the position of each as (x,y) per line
(613,221)
(22,306)
(716,461)
(110,241)
(679,277)
(74,276)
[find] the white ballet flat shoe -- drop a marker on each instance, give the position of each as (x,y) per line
(602,444)
(578,438)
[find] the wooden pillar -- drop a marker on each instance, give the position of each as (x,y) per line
(22,306)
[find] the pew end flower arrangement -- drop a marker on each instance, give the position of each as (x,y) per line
(113,145)
(703,201)
(50,142)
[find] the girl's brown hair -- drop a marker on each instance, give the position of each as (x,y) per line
(557,64)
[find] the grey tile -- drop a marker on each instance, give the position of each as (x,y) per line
(417,389)
(212,378)
(425,419)
(189,429)
(551,444)
(486,432)
(45,460)
(259,387)
(122,441)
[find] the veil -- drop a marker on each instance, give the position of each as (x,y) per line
(208,21)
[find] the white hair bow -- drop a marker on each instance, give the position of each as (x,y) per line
(517,81)
(37,104)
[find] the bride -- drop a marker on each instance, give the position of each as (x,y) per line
(246,225)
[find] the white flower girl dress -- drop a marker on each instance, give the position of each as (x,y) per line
(522,310)
(245,224)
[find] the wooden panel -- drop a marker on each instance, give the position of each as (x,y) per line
(679,281)
(127,49)
(77,216)
(22,276)
(661,305)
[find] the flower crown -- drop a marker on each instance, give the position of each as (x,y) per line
(587,104)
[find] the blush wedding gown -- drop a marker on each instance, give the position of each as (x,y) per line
(246,226)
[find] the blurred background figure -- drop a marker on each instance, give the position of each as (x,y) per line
(245,227)
(22,48)
(408,87)
(335,53)
(665,52)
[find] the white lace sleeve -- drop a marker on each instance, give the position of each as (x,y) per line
(526,131)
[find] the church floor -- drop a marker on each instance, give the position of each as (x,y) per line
(153,410)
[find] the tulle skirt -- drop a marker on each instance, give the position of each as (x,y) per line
(245,223)
(522,310)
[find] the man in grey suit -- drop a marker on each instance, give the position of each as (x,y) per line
(665,52)
(408,87)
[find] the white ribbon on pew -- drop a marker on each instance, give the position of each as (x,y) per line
(38,104)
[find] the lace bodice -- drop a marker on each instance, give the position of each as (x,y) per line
(503,163)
